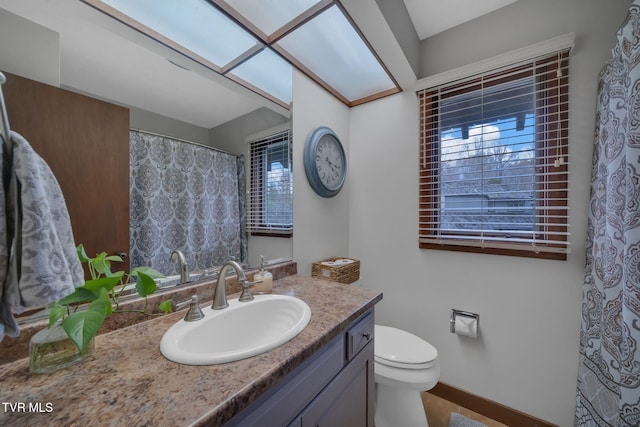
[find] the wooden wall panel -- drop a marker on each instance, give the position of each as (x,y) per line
(85,141)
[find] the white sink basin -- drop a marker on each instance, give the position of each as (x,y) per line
(242,330)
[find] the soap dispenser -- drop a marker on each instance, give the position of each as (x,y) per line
(265,278)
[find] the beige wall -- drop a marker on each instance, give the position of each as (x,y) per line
(320,226)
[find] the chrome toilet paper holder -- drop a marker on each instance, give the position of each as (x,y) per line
(455,313)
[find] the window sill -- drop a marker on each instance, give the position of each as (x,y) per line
(271,233)
(526,252)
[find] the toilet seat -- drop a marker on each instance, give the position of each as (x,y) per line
(401,349)
(405,366)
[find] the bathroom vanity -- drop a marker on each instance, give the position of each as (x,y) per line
(334,387)
(323,376)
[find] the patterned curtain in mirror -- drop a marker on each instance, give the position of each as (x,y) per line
(188,197)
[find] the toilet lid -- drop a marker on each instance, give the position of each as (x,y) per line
(395,347)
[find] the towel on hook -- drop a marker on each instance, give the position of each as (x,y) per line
(47,267)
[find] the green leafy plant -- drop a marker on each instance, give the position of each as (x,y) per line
(102,293)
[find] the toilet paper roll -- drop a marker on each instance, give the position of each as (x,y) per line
(329,263)
(466,326)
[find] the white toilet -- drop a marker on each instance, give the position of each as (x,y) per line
(404,366)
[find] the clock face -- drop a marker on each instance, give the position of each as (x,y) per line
(329,162)
(325,163)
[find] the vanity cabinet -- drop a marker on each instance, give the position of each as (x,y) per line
(334,388)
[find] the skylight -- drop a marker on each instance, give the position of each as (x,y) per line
(191,24)
(255,43)
(270,15)
(266,71)
(329,47)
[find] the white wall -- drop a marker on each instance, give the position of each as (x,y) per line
(526,357)
(320,226)
(33,51)
(151,122)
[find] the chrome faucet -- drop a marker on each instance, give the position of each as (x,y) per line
(220,293)
(184,270)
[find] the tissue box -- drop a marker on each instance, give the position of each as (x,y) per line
(337,269)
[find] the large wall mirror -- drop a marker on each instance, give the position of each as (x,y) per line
(167,97)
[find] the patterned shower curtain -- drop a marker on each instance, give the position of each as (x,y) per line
(608,392)
(188,197)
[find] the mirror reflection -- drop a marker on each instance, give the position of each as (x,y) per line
(189,130)
(185,197)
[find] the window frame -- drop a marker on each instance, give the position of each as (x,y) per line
(551,127)
(258,148)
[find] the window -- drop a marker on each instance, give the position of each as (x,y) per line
(494,161)
(271,188)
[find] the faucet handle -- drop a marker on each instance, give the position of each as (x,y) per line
(194,313)
(246,290)
(211,272)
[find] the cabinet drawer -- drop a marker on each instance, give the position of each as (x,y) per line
(360,335)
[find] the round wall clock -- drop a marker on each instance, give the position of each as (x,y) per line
(325,163)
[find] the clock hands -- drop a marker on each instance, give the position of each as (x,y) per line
(335,169)
(332,175)
(328,167)
(333,165)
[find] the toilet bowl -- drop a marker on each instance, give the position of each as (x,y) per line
(404,366)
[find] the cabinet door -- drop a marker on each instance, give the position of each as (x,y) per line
(289,398)
(85,142)
(348,400)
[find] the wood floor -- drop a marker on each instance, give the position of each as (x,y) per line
(439,410)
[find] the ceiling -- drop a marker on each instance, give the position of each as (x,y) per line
(430,17)
(101,57)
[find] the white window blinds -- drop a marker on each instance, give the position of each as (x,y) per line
(271,186)
(494,161)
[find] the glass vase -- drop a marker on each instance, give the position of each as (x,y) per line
(51,349)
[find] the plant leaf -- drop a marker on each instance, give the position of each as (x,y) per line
(165,306)
(82,326)
(104,297)
(78,296)
(155,274)
(82,255)
(107,283)
(57,312)
(145,285)
(101,264)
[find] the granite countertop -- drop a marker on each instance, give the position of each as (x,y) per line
(127,381)
(12,349)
